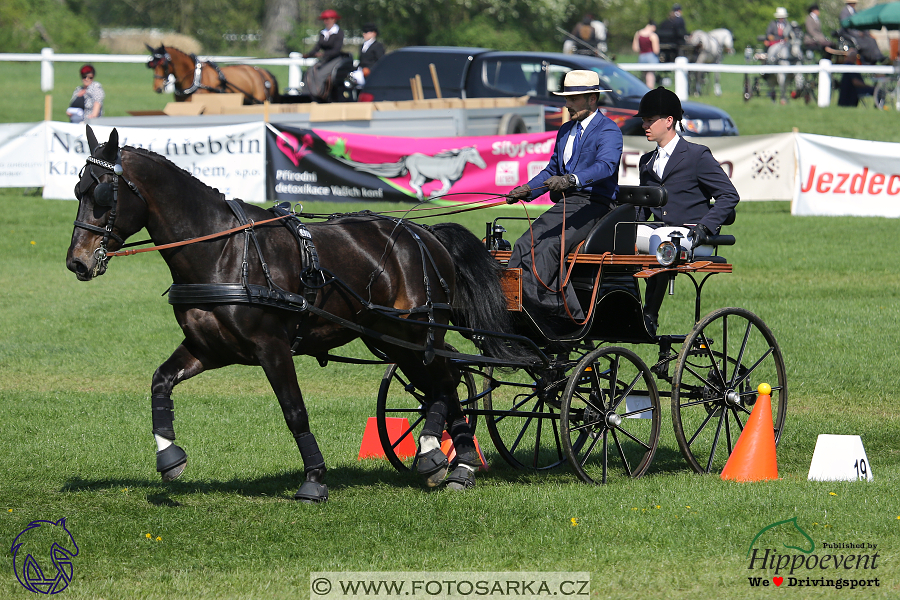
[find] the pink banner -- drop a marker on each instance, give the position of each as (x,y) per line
(355,166)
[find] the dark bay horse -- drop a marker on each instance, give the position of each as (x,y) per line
(193,76)
(375,273)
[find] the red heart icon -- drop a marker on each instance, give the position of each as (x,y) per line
(777,581)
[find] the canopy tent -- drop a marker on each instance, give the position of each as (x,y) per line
(880,15)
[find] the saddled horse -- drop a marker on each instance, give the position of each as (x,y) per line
(709,48)
(193,76)
(272,288)
(788,51)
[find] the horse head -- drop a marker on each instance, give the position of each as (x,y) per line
(161,63)
(472,155)
(33,544)
(107,213)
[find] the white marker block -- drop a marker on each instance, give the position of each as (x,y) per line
(839,458)
(634,402)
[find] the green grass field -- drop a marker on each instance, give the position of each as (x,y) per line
(76,361)
(75,366)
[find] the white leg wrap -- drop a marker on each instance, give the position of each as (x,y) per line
(427,443)
(161,443)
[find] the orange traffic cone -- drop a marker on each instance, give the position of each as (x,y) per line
(753,457)
(448,449)
(371,444)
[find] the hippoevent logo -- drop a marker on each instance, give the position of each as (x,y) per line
(836,565)
(42,556)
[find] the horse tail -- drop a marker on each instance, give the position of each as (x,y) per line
(479,301)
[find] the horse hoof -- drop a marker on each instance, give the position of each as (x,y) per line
(170,463)
(173,473)
(462,478)
(312,492)
(433,465)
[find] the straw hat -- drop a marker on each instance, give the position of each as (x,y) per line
(781,13)
(581,82)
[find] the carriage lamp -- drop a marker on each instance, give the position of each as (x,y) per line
(671,252)
(495,239)
(666,253)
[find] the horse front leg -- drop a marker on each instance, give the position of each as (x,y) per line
(170,459)
(279,369)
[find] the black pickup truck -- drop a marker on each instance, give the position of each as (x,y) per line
(484,73)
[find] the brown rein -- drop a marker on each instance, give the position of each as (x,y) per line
(211,236)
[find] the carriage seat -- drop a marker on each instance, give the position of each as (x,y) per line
(608,235)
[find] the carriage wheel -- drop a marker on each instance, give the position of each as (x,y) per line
(525,426)
(723,360)
(610,416)
(748,92)
(398,398)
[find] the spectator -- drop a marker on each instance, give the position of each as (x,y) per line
(672,35)
(852,84)
(87,100)
(586,35)
(646,44)
(814,39)
(371,52)
(868,47)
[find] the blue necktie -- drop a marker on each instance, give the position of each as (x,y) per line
(570,164)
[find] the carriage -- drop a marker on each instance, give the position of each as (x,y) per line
(272,287)
(593,402)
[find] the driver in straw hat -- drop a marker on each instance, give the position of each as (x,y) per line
(582,178)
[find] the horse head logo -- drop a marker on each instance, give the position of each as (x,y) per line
(37,540)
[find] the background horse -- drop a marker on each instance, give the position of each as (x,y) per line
(788,51)
(379,274)
(193,76)
(709,48)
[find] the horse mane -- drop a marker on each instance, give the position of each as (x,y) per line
(449,153)
(165,162)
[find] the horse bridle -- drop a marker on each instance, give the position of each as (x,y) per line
(105,195)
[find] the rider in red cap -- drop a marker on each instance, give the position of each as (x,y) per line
(331,38)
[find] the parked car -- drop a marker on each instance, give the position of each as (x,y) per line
(485,73)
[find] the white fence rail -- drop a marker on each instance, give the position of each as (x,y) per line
(295,62)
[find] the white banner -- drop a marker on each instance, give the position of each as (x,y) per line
(231,158)
(761,167)
(840,176)
(22,154)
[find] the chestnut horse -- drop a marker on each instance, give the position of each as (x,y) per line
(393,283)
(193,76)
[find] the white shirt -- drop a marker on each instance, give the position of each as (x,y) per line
(327,33)
(570,141)
(662,156)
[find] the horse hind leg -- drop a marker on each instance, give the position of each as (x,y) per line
(170,458)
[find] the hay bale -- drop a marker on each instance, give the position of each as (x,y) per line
(131,41)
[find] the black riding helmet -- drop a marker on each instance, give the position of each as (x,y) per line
(662,102)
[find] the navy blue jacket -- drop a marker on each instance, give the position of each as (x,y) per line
(692,177)
(597,164)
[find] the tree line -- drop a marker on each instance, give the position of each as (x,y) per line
(275,27)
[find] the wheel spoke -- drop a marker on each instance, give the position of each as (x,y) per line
(701,428)
(408,431)
(715,444)
(621,453)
